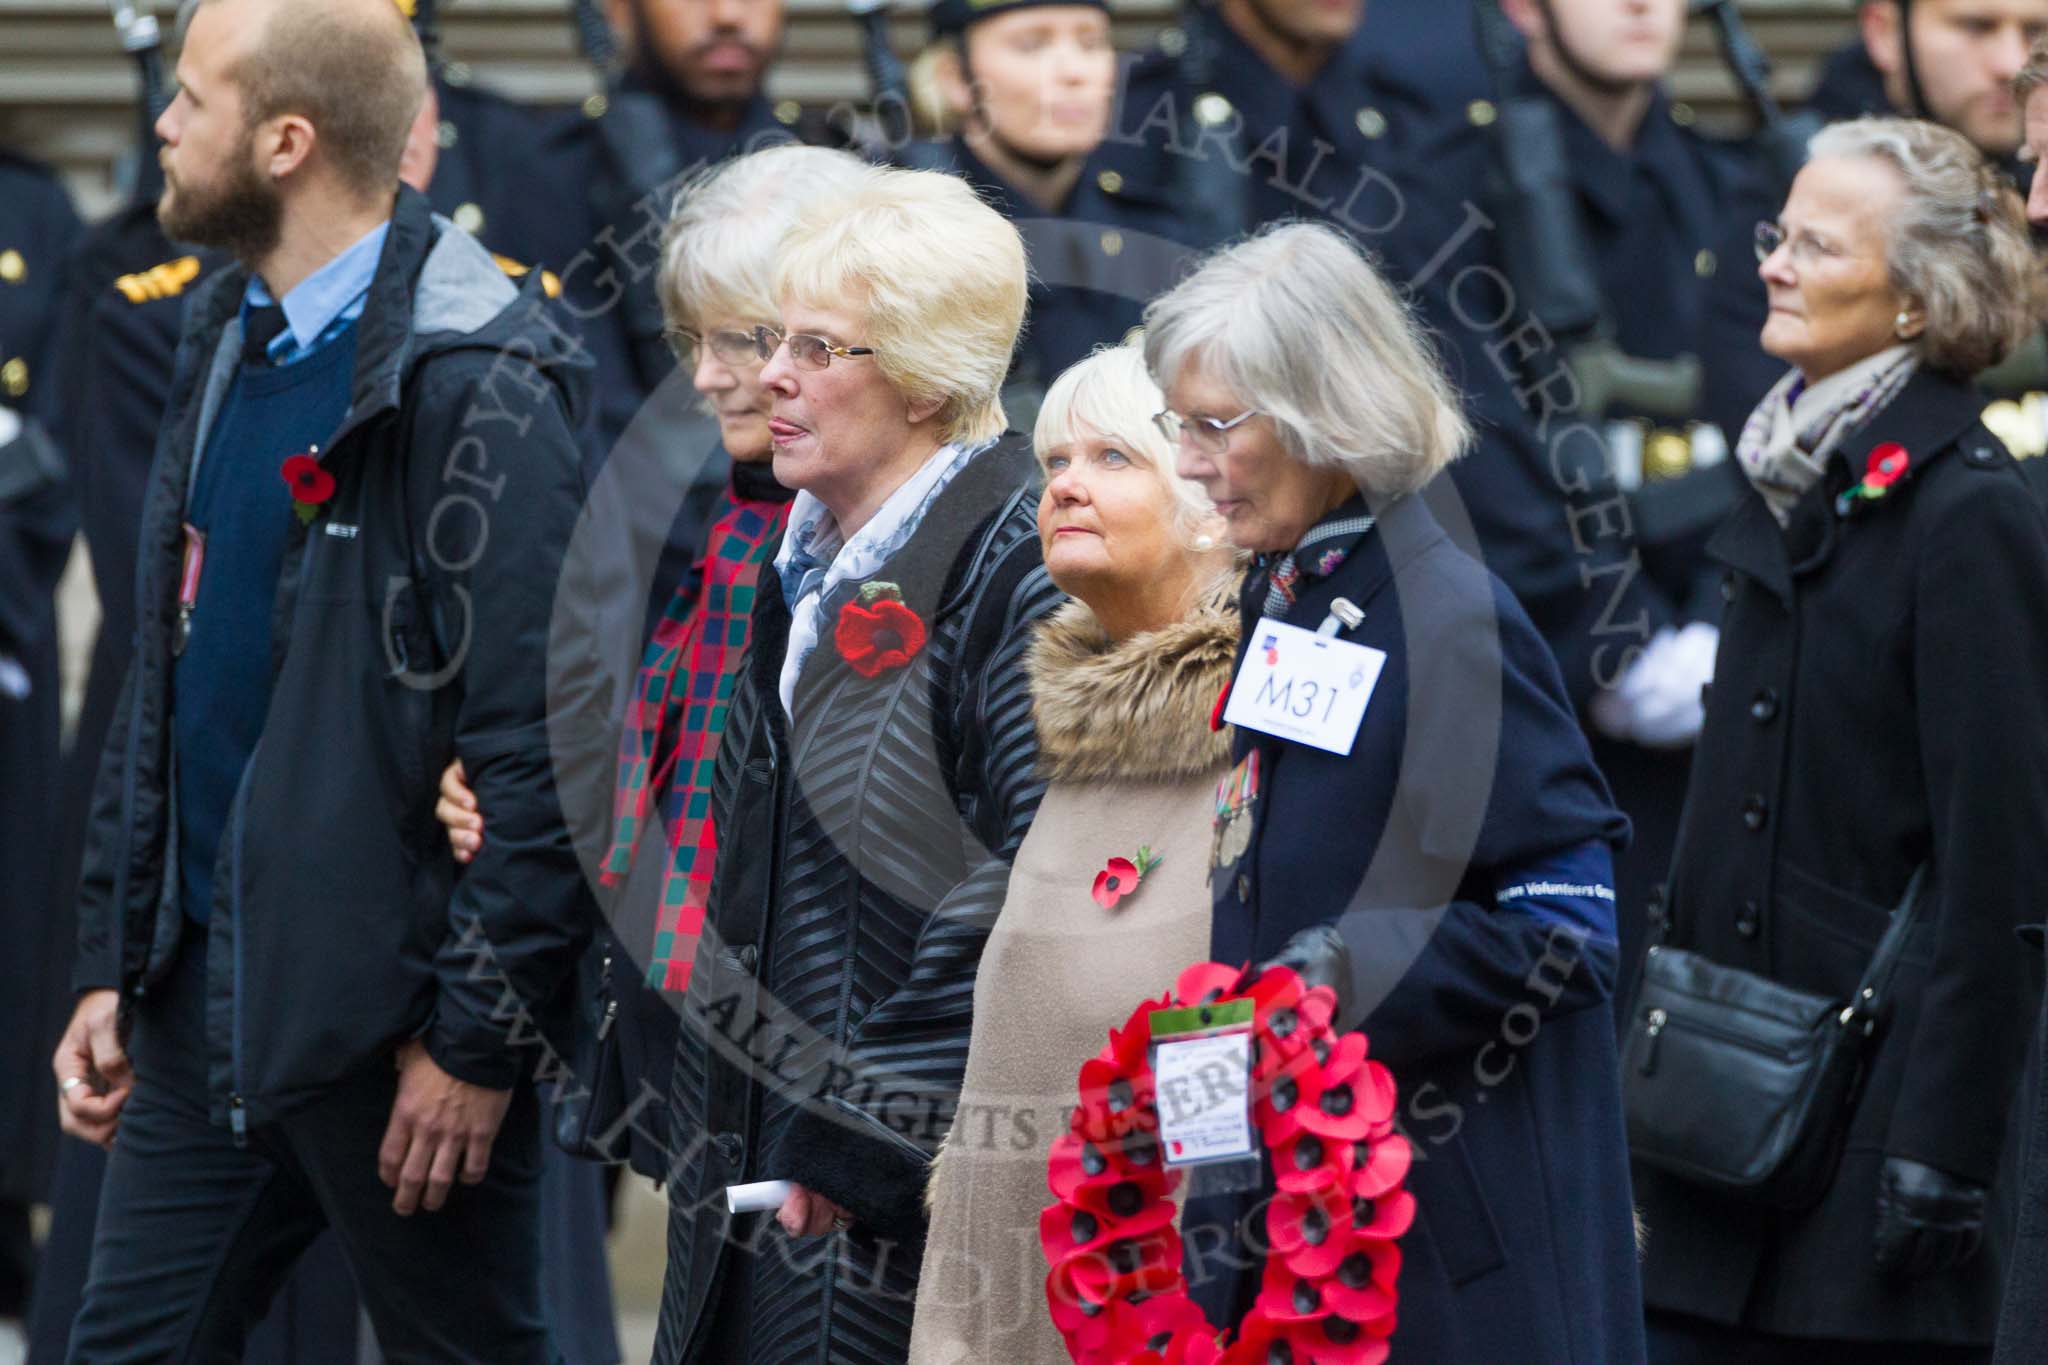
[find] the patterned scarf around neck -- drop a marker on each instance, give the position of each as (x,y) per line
(1786,443)
(676,717)
(1326,545)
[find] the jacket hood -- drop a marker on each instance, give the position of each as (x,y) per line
(1137,709)
(436,290)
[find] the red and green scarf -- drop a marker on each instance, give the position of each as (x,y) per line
(675,718)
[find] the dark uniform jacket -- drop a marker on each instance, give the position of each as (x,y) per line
(1877,705)
(1468,767)
(864,851)
(411,627)
(37,226)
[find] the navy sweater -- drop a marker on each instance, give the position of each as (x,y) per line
(221,683)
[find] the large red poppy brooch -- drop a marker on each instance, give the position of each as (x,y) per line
(311,485)
(1325,1114)
(1887,464)
(876,632)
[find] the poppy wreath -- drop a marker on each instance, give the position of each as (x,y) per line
(878,632)
(1326,1116)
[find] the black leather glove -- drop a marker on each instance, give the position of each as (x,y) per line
(1928,1222)
(1317,955)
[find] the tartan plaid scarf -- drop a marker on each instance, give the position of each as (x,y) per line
(677,714)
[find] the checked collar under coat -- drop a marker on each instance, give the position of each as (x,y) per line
(825,1032)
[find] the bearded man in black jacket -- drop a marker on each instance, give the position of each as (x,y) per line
(361,499)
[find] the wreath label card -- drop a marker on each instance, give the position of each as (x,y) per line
(1203,1084)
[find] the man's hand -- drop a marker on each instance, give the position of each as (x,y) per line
(805,1214)
(440,1129)
(93,1076)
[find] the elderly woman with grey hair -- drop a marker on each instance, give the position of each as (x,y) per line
(1877,708)
(1411,815)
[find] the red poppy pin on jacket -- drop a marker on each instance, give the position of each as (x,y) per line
(311,485)
(877,632)
(1886,465)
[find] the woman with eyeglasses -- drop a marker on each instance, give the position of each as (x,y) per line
(1877,707)
(1412,816)
(718,255)
(877,774)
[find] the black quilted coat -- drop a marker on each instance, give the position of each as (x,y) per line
(864,851)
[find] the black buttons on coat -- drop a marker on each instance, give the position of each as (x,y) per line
(1755,811)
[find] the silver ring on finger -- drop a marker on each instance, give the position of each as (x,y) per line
(71,1083)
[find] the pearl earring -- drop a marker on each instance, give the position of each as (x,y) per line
(1901,323)
(1205,542)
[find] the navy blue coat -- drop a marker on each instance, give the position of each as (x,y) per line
(1493,1020)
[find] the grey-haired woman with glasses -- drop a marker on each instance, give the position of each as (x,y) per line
(1444,857)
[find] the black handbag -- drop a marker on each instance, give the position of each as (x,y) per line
(1743,1085)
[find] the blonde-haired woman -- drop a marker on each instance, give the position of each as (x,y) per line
(1876,707)
(1122,682)
(876,776)
(1445,860)
(717,264)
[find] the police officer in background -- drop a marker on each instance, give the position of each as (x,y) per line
(1629,197)
(1952,61)
(37,224)
(684,86)
(1029,87)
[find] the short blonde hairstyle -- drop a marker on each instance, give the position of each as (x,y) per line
(1959,245)
(1110,395)
(1302,328)
(939,278)
(726,226)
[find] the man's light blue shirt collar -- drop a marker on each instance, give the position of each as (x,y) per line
(335,293)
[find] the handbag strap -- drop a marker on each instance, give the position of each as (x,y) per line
(1874,991)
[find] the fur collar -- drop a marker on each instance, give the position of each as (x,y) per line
(1135,711)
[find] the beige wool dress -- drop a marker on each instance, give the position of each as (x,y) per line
(1124,740)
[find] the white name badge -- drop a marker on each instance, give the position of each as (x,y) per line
(1298,685)
(1202,1090)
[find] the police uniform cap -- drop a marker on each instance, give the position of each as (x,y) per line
(952,17)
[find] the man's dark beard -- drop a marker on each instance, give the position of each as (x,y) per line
(649,69)
(242,215)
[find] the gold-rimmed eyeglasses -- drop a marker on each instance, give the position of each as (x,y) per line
(806,350)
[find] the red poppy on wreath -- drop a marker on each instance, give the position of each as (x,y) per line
(1112,1102)
(1116,1288)
(1120,877)
(1887,464)
(878,633)
(311,485)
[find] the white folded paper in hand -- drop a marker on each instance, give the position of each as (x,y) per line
(763,1196)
